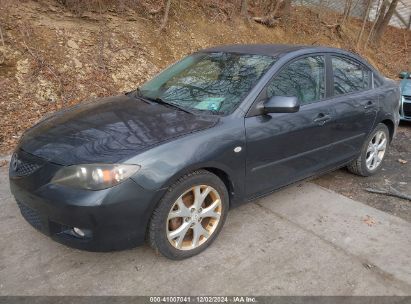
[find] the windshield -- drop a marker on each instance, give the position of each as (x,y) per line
(213,82)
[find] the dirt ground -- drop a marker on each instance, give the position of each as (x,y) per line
(394,173)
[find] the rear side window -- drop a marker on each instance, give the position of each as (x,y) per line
(376,81)
(303,78)
(349,76)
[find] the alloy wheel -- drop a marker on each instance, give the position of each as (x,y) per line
(376,150)
(194,217)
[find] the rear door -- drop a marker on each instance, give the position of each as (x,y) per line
(355,104)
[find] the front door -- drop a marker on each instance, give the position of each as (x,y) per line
(285,147)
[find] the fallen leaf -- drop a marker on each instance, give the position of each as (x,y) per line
(369,221)
(402,161)
(368,266)
(3,163)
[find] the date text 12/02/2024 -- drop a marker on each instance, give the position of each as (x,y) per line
(203,299)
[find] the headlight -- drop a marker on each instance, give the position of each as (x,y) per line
(94,176)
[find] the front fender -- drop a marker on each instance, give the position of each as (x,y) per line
(163,165)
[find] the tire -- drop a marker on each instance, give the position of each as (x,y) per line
(179,228)
(360,166)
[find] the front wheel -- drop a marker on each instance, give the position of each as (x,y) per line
(190,215)
(373,152)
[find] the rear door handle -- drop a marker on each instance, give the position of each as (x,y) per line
(369,104)
(322,118)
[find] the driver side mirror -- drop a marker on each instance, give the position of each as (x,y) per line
(403,75)
(281,104)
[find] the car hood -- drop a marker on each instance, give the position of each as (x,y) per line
(109,130)
(405,85)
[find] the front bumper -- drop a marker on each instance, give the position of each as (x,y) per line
(116,217)
(405,108)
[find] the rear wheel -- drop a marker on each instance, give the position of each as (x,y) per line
(372,153)
(190,215)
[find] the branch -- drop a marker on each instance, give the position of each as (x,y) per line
(337,27)
(1,37)
(42,63)
(390,192)
(165,18)
(267,21)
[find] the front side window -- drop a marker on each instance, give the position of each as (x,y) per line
(303,78)
(349,76)
(214,82)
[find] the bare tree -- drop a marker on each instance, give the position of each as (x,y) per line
(165,17)
(364,22)
(347,10)
(286,10)
(244,8)
(276,8)
(387,17)
(381,15)
(379,12)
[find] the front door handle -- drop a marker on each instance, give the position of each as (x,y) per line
(322,118)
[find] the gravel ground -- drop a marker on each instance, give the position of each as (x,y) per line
(395,172)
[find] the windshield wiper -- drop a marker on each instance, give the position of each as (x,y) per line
(170,104)
(160,101)
(137,94)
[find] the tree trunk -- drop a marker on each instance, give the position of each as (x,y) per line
(274,14)
(379,31)
(381,14)
(282,9)
(364,22)
(347,11)
(286,11)
(165,17)
(374,25)
(271,7)
(244,9)
(2,38)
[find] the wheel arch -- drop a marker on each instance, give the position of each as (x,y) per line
(391,127)
(222,173)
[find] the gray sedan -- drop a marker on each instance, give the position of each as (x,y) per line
(222,127)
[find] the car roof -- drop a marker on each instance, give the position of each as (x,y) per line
(267,49)
(277,50)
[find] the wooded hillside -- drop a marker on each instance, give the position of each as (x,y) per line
(54,54)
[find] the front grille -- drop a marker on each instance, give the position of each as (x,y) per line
(31,216)
(407,108)
(25,168)
(23,164)
(406,97)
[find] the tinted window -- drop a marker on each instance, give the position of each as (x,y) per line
(303,78)
(215,82)
(349,76)
(377,82)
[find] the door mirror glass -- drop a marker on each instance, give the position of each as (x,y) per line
(403,75)
(281,104)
